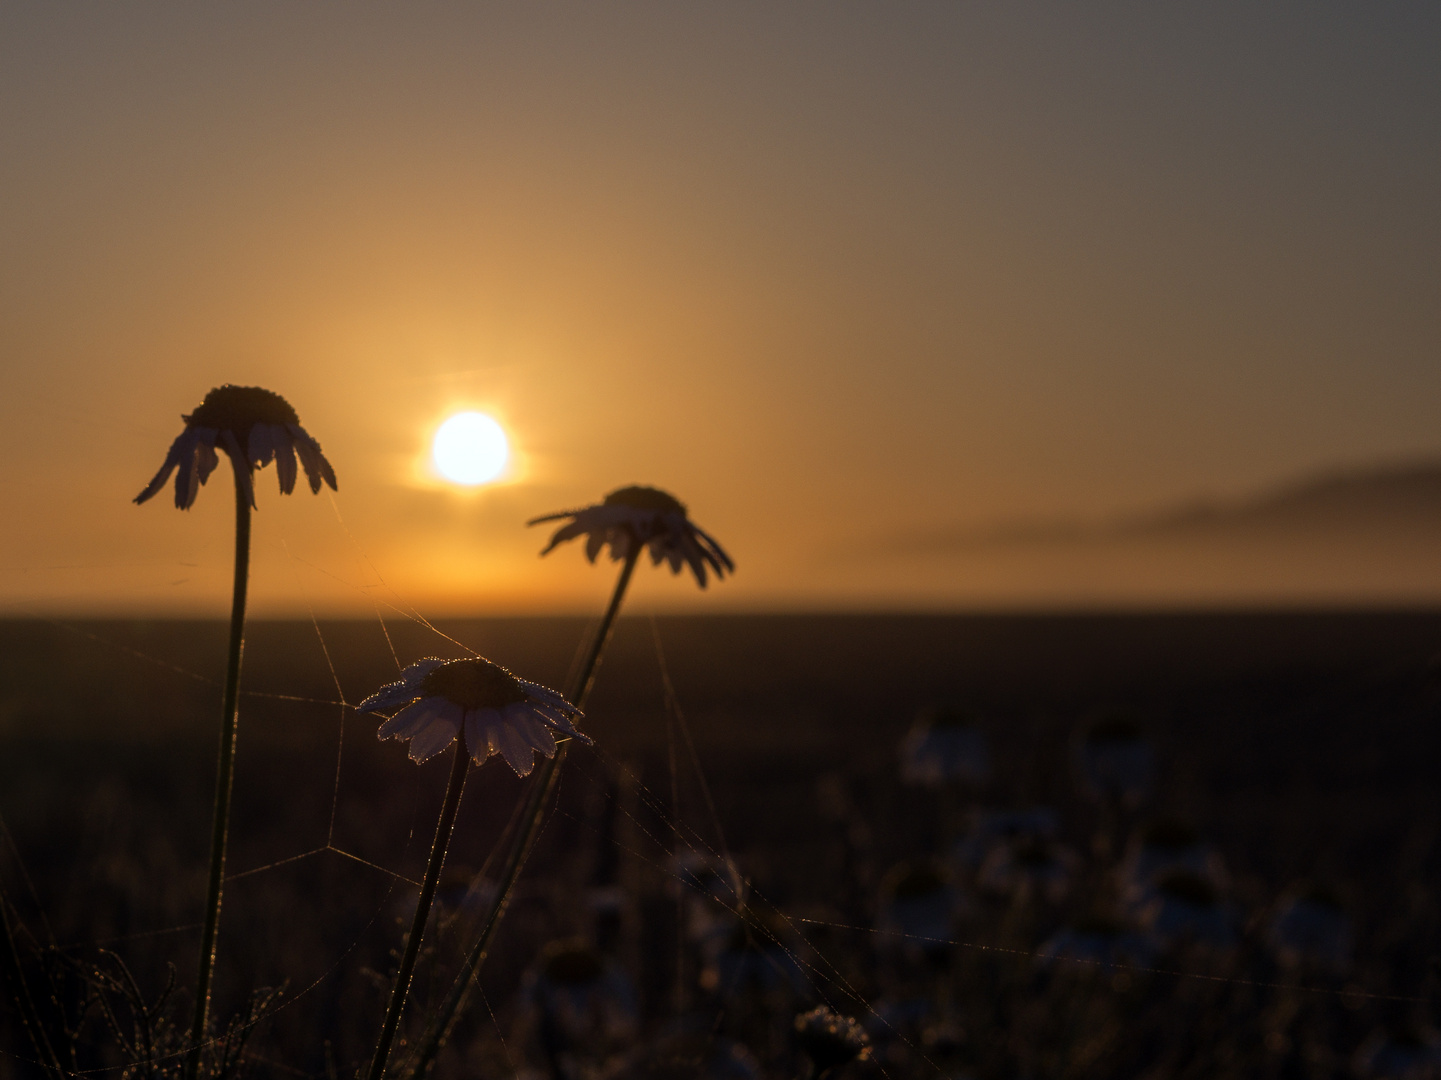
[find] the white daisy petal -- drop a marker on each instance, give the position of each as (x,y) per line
(512,744)
(408,722)
(536,692)
(478,725)
(437,735)
(535,730)
(406,688)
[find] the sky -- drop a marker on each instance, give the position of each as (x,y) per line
(837,275)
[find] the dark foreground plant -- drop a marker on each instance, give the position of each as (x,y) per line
(253,427)
(484,710)
(627,521)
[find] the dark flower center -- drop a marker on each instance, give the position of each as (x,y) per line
(237,409)
(474,684)
(646,498)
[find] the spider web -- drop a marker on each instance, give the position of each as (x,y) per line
(666,825)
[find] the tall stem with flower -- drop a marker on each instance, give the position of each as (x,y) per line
(253,427)
(484,710)
(628,521)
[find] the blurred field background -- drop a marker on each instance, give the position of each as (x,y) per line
(1299,746)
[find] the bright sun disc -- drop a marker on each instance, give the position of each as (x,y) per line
(470,448)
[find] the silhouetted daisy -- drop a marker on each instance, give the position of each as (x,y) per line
(253,426)
(628,521)
(642,517)
(500,714)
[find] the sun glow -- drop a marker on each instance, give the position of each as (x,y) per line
(470,448)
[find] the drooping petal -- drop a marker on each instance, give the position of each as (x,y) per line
(285,469)
(408,722)
(206,457)
(561,535)
(593,543)
(517,752)
(316,467)
(261,444)
(532,728)
(553,517)
(547,695)
(187,478)
(693,556)
(479,723)
(715,549)
(172,459)
(438,734)
(565,725)
(404,689)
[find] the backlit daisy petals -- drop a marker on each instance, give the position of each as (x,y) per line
(498,713)
(478,724)
(403,690)
(645,516)
(408,722)
(435,736)
(538,737)
(546,695)
(516,751)
(254,427)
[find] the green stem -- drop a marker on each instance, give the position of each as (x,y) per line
(20,990)
(224,772)
(443,828)
(439,1029)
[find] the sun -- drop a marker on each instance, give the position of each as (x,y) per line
(470,448)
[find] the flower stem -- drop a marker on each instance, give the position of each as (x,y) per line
(224,772)
(401,988)
(438,1031)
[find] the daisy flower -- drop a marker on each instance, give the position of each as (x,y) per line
(253,426)
(642,517)
(499,713)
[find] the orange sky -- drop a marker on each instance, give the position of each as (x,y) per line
(834,274)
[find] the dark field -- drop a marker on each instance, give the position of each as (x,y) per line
(1302,749)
